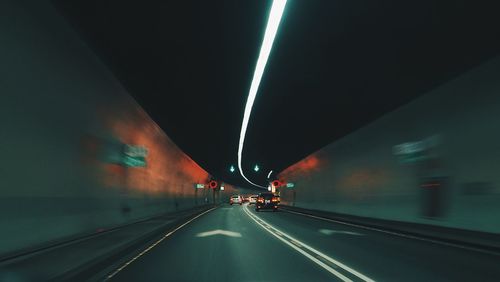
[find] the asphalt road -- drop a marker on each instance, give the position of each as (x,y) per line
(235,243)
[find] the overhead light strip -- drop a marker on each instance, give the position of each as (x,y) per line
(267,44)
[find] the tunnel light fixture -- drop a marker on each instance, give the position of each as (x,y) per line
(269,174)
(267,44)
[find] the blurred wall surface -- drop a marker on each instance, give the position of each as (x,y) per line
(435,160)
(78,153)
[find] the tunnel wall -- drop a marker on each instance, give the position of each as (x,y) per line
(433,161)
(65,124)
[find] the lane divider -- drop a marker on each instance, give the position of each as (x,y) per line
(309,252)
(154,245)
(408,236)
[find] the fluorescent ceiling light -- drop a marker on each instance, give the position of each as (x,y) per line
(267,44)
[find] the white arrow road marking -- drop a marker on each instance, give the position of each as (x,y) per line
(219,232)
(330,232)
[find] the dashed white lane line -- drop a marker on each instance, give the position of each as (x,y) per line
(306,250)
(331,232)
(398,234)
(154,245)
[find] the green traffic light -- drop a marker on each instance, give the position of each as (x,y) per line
(232,169)
(256,168)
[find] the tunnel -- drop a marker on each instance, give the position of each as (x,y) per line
(132,149)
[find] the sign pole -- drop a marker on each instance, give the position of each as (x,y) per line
(195,196)
(294,195)
(213,195)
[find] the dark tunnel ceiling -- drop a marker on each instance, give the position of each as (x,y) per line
(335,66)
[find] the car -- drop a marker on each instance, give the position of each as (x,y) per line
(235,199)
(252,199)
(267,201)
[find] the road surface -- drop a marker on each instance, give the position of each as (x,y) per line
(235,243)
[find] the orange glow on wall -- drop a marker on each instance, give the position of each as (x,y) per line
(363,182)
(363,178)
(168,170)
(303,168)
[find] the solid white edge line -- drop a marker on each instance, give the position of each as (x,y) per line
(398,234)
(315,260)
(154,244)
(338,263)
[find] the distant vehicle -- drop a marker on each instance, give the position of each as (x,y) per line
(244,198)
(236,199)
(252,199)
(267,201)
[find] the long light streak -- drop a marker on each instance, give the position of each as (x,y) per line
(267,44)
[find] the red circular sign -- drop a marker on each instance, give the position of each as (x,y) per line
(276,183)
(212,184)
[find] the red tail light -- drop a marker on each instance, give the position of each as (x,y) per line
(274,199)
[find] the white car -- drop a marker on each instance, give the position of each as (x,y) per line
(236,199)
(253,199)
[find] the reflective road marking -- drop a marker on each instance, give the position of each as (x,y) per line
(219,232)
(330,232)
(314,255)
(495,253)
(154,245)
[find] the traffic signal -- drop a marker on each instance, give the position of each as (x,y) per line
(276,183)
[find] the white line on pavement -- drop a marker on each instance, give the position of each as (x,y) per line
(397,234)
(154,245)
(330,232)
(300,246)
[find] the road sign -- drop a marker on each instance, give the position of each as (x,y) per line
(134,156)
(199,186)
(290,185)
(212,184)
(135,151)
(134,161)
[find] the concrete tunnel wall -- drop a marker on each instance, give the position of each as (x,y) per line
(64,122)
(433,161)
